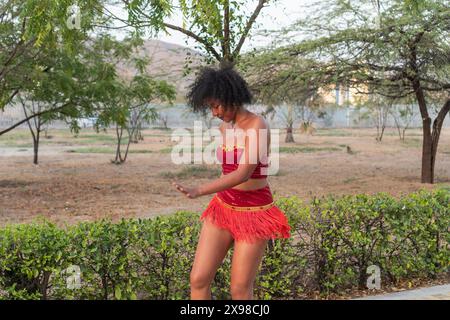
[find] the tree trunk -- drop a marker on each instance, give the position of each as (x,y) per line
(289,135)
(397,124)
(137,135)
(119,141)
(426,152)
(430,142)
(44,285)
(128,145)
(436,133)
(289,123)
(105,288)
(382,132)
(37,139)
(362,282)
(426,129)
(381,121)
(140,136)
(36,148)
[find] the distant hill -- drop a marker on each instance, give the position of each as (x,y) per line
(167,62)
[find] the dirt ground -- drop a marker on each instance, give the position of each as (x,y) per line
(74,182)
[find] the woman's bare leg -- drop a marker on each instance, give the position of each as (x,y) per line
(213,245)
(246,261)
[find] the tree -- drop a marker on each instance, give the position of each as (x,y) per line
(163,117)
(127,102)
(31,34)
(136,122)
(71,86)
(219,27)
(57,90)
(29,29)
(403,114)
(277,80)
(402,51)
(377,109)
(312,109)
(134,107)
(36,125)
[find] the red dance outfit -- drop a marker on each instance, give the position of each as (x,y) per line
(247,215)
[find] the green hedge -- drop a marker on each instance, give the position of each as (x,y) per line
(334,241)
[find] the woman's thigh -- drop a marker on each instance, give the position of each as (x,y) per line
(213,245)
(246,260)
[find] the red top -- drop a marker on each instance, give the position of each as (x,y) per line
(230,161)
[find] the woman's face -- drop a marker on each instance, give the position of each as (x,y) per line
(219,111)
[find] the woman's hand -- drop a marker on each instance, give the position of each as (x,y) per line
(191,193)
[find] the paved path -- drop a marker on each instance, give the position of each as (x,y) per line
(431,293)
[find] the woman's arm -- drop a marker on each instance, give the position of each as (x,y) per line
(240,175)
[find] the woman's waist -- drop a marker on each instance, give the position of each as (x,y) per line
(260,171)
(251,184)
(256,196)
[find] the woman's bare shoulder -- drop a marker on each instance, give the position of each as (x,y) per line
(257,122)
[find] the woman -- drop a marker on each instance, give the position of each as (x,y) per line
(242,211)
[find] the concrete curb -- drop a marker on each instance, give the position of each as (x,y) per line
(432,293)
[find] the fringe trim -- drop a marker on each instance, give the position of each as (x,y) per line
(268,223)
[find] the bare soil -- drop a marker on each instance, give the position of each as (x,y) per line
(69,187)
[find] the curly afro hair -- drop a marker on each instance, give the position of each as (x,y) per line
(225,85)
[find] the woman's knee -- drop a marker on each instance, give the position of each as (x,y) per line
(199,280)
(239,289)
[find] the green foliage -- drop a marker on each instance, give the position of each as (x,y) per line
(333,242)
(30,30)
(281,271)
(103,252)
(166,248)
(125,103)
(340,238)
(419,237)
(29,255)
(379,51)
(218,27)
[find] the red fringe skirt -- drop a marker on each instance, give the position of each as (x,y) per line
(248,215)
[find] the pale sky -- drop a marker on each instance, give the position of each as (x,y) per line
(274,16)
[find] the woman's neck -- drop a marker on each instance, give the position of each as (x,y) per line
(241,114)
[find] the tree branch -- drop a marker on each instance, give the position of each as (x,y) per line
(34,115)
(249,26)
(208,47)
(226,32)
